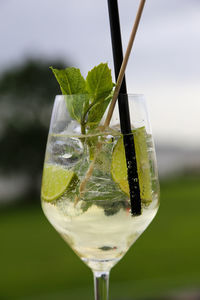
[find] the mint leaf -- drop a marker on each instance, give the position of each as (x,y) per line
(99,82)
(76,105)
(73,85)
(97,111)
(70,80)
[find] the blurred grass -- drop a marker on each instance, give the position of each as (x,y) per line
(36,263)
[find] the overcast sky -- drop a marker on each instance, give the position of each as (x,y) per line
(164,64)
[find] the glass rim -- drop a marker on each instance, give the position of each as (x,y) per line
(137,108)
(123,94)
(131,96)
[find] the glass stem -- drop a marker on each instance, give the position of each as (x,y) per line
(101,285)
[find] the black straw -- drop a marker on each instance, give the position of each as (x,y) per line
(124,114)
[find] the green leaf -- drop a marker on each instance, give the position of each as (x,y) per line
(70,80)
(76,105)
(99,82)
(97,111)
(73,85)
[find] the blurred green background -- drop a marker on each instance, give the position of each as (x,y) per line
(35,261)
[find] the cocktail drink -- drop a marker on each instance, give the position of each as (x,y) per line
(85,191)
(100,186)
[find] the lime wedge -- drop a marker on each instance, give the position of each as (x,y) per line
(119,168)
(55,181)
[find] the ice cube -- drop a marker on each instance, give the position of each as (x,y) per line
(66,150)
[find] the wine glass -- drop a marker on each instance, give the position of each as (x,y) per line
(85,192)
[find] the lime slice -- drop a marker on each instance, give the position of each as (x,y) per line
(55,181)
(119,168)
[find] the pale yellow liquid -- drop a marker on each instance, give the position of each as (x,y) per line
(100,234)
(99,240)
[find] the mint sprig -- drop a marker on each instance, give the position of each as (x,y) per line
(89,97)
